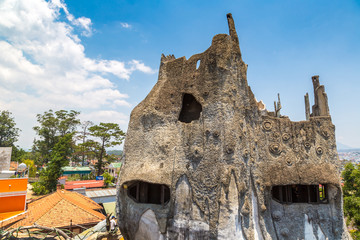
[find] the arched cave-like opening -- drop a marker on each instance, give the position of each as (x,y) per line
(300,193)
(144,192)
(190,110)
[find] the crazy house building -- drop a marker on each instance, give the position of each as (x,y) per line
(205,160)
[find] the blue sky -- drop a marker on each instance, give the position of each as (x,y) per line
(102,57)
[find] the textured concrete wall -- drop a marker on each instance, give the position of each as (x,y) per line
(221,167)
(5,157)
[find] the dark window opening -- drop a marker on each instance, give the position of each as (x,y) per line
(143,192)
(300,193)
(190,110)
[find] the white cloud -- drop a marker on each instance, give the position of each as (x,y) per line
(125,25)
(82,22)
(43,64)
(106,116)
(137,65)
(85,23)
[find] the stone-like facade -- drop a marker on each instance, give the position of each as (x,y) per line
(205,160)
(5,157)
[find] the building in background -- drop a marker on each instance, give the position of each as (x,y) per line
(13,188)
(113,169)
(68,171)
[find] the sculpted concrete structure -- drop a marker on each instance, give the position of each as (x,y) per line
(5,157)
(205,160)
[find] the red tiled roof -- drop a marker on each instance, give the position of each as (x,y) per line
(85,184)
(57,210)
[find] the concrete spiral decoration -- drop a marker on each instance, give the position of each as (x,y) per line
(285,137)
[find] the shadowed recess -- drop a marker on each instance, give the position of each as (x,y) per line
(144,192)
(190,110)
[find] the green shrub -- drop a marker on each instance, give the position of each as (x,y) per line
(39,189)
(355,234)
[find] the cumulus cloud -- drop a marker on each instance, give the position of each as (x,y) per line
(83,22)
(43,63)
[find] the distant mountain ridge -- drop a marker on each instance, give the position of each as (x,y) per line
(345,148)
(349,150)
(115,152)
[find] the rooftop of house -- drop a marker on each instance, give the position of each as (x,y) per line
(84,184)
(68,168)
(101,192)
(57,210)
(76,170)
(114,165)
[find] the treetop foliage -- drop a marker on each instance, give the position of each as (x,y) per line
(108,135)
(351,192)
(59,159)
(53,126)
(8,132)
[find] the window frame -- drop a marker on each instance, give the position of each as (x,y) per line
(285,193)
(136,198)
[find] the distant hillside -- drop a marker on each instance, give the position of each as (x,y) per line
(349,150)
(345,148)
(341,146)
(115,152)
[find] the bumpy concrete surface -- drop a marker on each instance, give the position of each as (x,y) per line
(221,167)
(5,157)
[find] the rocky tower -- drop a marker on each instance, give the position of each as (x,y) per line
(205,160)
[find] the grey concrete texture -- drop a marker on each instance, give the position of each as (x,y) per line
(5,158)
(221,167)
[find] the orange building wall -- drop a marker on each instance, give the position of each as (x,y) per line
(12,196)
(12,204)
(13,184)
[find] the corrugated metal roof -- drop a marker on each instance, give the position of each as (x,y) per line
(76,169)
(116,164)
(101,193)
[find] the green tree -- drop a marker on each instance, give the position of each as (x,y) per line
(9,135)
(82,148)
(59,159)
(90,149)
(17,154)
(32,155)
(351,191)
(108,135)
(52,127)
(8,132)
(108,179)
